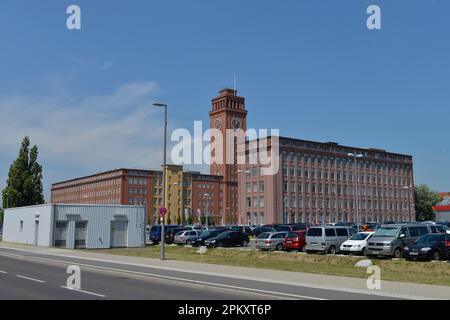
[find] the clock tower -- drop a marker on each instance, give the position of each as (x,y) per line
(228,112)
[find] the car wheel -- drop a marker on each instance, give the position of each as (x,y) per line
(363,252)
(332,250)
(279,247)
(436,256)
(398,253)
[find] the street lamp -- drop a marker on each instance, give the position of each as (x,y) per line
(409,188)
(356,156)
(161,105)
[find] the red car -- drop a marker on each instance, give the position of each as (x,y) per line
(295,240)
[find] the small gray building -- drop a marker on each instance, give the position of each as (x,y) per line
(76,226)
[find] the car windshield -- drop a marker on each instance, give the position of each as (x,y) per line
(264,235)
(430,238)
(359,236)
(386,232)
(179,233)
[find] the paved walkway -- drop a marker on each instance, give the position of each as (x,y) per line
(345,284)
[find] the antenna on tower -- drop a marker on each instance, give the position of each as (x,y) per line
(234,84)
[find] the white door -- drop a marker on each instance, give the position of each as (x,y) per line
(119,234)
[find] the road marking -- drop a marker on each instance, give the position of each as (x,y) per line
(234,276)
(3,272)
(87,292)
(197,282)
(28,278)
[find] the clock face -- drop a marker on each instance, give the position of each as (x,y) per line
(218,124)
(236,123)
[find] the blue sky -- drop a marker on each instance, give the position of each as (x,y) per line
(309,67)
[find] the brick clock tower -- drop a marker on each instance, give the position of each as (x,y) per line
(228,112)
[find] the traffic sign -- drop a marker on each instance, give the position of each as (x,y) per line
(162,212)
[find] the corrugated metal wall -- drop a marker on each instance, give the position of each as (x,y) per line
(99,219)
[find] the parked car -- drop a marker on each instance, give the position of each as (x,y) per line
(429,247)
(228,239)
(243,229)
(301,226)
(357,243)
(169,235)
(327,238)
(295,240)
(439,228)
(205,235)
(271,240)
(155,232)
(443,223)
(390,240)
(186,237)
(258,230)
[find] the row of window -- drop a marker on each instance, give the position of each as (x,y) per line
(345,190)
(308,158)
(137,181)
(343,204)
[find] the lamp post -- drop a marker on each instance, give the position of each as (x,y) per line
(161,105)
(355,176)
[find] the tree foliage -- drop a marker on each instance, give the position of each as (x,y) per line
(24,184)
(425,200)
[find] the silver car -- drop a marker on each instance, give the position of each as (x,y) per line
(327,239)
(271,240)
(186,237)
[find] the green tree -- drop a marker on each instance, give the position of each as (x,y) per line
(211,221)
(169,219)
(190,219)
(425,200)
(203,219)
(178,220)
(24,184)
(1,216)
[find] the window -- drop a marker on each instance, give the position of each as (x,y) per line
(330,233)
(414,232)
(342,232)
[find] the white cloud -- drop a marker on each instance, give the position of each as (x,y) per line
(97,132)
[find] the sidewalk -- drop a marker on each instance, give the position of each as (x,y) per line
(338,283)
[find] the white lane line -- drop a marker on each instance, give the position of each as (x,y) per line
(87,292)
(28,278)
(184,280)
(3,272)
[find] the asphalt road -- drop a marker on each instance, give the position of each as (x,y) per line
(25,275)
